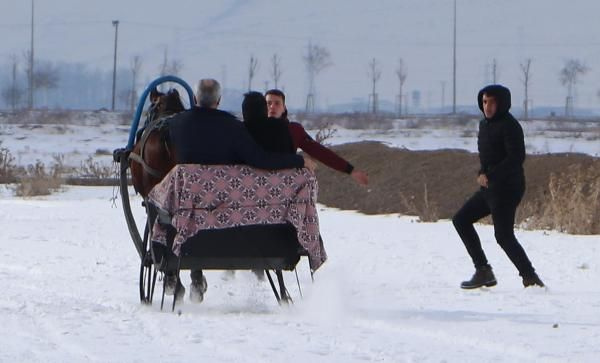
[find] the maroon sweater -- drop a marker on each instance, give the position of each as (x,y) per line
(303,141)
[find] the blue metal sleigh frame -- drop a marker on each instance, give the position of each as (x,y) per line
(122,156)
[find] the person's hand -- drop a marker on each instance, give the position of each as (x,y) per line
(360,177)
(482,180)
(309,163)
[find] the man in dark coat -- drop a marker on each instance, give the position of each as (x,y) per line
(501,179)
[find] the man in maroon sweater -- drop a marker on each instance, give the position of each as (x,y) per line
(301,139)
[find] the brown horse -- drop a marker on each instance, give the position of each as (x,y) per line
(152,157)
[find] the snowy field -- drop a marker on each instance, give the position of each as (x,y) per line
(98,138)
(541,136)
(388,293)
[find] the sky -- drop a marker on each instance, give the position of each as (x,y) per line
(216,39)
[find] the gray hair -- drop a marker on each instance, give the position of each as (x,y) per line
(208,93)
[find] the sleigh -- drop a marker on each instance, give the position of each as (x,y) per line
(258,220)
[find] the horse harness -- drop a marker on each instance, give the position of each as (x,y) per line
(156,124)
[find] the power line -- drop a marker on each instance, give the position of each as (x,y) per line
(53,23)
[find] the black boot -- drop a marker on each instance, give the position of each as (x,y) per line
(483,276)
(532,280)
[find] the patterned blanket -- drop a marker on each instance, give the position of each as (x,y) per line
(202,197)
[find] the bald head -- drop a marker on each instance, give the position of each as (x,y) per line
(208,93)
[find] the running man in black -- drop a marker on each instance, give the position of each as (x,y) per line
(501,179)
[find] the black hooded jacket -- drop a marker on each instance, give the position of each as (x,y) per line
(501,143)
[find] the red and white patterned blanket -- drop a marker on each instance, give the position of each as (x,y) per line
(202,197)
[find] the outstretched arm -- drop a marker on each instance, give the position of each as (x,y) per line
(303,140)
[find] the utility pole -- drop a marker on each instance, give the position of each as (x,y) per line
(454,65)
(115,23)
(443,83)
(30,100)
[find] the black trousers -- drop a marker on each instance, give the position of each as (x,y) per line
(502,206)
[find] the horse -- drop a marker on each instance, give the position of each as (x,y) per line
(152,156)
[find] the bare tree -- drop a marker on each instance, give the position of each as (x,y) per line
(165,63)
(374,73)
(136,66)
(276,69)
(569,76)
(175,67)
(526,79)
(401,73)
(45,78)
(252,69)
(170,67)
(13,93)
(27,55)
(316,60)
(124,96)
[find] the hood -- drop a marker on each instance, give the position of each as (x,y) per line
(502,95)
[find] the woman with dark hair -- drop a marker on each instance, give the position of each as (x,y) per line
(270,133)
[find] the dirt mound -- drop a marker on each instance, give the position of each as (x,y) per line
(434,184)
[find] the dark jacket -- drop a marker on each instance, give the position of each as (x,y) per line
(272,134)
(210,136)
(501,143)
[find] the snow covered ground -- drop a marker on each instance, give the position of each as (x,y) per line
(75,142)
(97,139)
(541,136)
(389,293)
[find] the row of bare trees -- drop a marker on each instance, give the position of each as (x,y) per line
(44,78)
(374,74)
(168,66)
(47,76)
(569,76)
(316,59)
